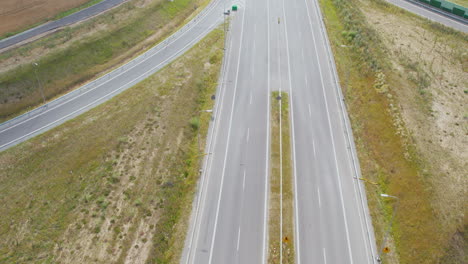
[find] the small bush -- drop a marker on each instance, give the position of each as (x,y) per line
(214,59)
(195,123)
(138,202)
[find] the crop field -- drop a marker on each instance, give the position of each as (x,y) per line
(19,14)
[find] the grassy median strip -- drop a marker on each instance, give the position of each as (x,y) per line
(281,219)
(396,70)
(115,184)
(68,62)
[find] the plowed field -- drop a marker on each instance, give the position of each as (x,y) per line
(19,14)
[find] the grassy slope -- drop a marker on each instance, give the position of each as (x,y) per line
(93,182)
(386,155)
(76,9)
(460,2)
(274,203)
(63,69)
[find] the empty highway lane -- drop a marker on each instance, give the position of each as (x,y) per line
(279,45)
(272,45)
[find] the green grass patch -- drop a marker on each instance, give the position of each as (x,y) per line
(96,178)
(281,184)
(64,69)
(385,156)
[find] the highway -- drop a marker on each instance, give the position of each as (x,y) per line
(53,25)
(431,13)
(230,212)
(279,45)
(102,89)
(272,45)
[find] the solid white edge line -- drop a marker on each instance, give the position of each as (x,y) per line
(109,94)
(348,132)
(120,68)
(291,105)
(208,166)
(227,142)
(267,160)
(332,139)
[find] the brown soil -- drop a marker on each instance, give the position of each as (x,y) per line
(18,14)
(434,115)
(430,83)
(134,164)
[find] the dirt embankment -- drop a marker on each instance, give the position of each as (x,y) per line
(405,83)
(114,185)
(18,14)
(431,90)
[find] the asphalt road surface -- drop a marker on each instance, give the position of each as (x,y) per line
(272,45)
(102,89)
(433,14)
(71,19)
(279,45)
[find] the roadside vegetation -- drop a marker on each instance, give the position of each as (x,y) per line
(460,2)
(77,54)
(281,204)
(404,80)
(114,185)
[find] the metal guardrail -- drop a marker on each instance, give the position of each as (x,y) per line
(94,84)
(445,8)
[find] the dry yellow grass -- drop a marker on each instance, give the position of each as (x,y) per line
(77,54)
(404,80)
(114,184)
(281,184)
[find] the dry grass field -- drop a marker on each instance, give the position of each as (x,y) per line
(281,237)
(116,184)
(460,2)
(405,81)
(18,14)
(77,54)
